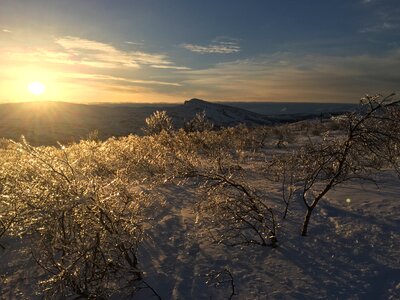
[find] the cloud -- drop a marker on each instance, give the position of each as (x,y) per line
(293,77)
(108,78)
(102,55)
(170,67)
(134,43)
(6,30)
(279,76)
(85,65)
(380,27)
(26,55)
(384,17)
(84,52)
(220,45)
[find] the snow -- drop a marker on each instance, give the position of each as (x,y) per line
(220,115)
(352,251)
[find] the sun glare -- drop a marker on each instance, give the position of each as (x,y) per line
(36,88)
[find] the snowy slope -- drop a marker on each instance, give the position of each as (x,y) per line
(218,114)
(352,251)
(222,115)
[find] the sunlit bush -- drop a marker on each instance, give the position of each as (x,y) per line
(234,214)
(199,123)
(159,121)
(82,214)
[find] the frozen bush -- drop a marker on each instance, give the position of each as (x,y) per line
(199,123)
(159,121)
(234,214)
(83,219)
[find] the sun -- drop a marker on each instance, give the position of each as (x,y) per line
(36,88)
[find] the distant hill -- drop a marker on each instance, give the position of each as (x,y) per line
(278,109)
(219,114)
(45,123)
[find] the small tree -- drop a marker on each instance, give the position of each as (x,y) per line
(159,121)
(235,214)
(320,166)
(85,227)
(199,123)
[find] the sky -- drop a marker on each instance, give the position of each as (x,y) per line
(219,50)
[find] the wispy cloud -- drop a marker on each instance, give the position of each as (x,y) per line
(102,55)
(380,27)
(84,52)
(6,30)
(170,67)
(100,66)
(384,17)
(37,55)
(134,43)
(108,78)
(88,65)
(218,46)
(287,76)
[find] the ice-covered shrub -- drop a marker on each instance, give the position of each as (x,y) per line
(11,209)
(199,123)
(234,214)
(159,121)
(83,218)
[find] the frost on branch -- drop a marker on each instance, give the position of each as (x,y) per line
(159,121)
(82,218)
(199,123)
(234,214)
(369,142)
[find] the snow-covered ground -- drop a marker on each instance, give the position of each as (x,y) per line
(352,250)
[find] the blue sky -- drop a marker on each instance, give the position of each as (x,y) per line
(155,51)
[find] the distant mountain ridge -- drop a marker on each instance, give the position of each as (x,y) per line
(46,123)
(219,114)
(277,109)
